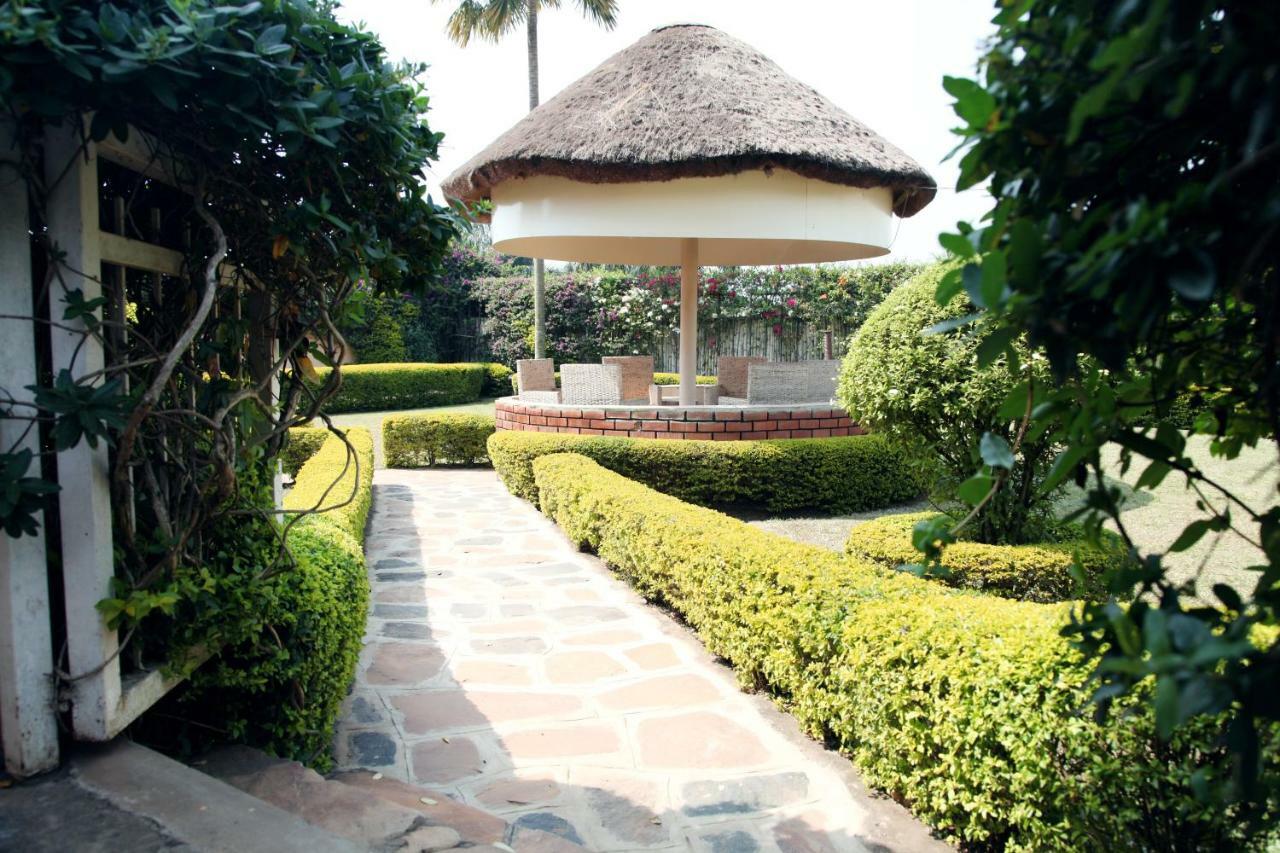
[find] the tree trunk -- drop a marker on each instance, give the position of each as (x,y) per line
(539,270)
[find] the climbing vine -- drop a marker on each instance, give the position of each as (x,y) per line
(293,153)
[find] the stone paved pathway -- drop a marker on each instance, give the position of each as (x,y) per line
(511,672)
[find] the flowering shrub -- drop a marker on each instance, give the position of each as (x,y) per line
(595,311)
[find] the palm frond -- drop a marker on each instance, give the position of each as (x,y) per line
(504,16)
(603,12)
(467,21)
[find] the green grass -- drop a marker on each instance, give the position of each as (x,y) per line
(373,421)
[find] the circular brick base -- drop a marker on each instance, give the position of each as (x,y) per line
(719,423)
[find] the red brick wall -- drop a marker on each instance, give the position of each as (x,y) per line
(675,422)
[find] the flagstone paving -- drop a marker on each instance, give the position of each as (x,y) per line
(510,672)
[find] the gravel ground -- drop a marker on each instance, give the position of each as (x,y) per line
(1153,519)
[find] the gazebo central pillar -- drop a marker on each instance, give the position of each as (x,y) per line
(688,321)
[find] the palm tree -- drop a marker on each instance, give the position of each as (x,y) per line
(491,20)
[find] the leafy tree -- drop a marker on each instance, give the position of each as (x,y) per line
(301,149)
(928,392)
(492,19)
(1133,150)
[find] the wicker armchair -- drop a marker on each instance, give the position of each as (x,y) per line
(536,379)
(591,384)
(794,382)
(637,375)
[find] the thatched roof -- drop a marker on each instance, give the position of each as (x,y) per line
(690,101)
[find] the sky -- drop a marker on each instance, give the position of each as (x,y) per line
(882,61)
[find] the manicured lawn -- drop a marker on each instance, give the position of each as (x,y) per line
(1153,519)
(373,420)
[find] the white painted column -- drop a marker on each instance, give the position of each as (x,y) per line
(688,321)
(85,498)
(28,720)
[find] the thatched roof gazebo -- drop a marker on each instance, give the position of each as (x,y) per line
(690,147)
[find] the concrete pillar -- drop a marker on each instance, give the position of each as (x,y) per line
(688,321)
(84,501)
(28,720)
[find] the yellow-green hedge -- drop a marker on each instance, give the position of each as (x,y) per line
(302,445)
(1040,572)
(386,387)
(418,441)
(972,709)
(845,474)
(339,484)
(282,690)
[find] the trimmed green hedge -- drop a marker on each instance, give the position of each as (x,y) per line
(497,379)
(281,692)
(340,485)
(1040,572)
(302,445)
(419,441)
(846,474)
(386,387)
(972,709)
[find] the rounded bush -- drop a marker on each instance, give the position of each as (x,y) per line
(1039,572)
(419,441)
(927,391)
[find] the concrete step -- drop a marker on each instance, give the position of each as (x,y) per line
(191,810)
(377,814)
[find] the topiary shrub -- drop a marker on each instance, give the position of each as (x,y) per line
(419,441)
(1041,572)
(302,445)
(386,387)
(927,391)
(846,474)
(972,710)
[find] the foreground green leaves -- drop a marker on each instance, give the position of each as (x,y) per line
(1131,150)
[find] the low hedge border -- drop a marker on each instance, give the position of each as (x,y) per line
(339,485)
(282,692)
(386,387)
(419,441)
(302,445)
(971,709)
(1040,572)
(846,474)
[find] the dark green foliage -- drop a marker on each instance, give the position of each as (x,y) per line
(378,334)
(1041,571)
(847,474)
(1133,151)
(498,380)
(385,387)
(303,444)
(965,707)
(420,441)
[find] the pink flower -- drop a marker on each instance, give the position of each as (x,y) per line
(791,303)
